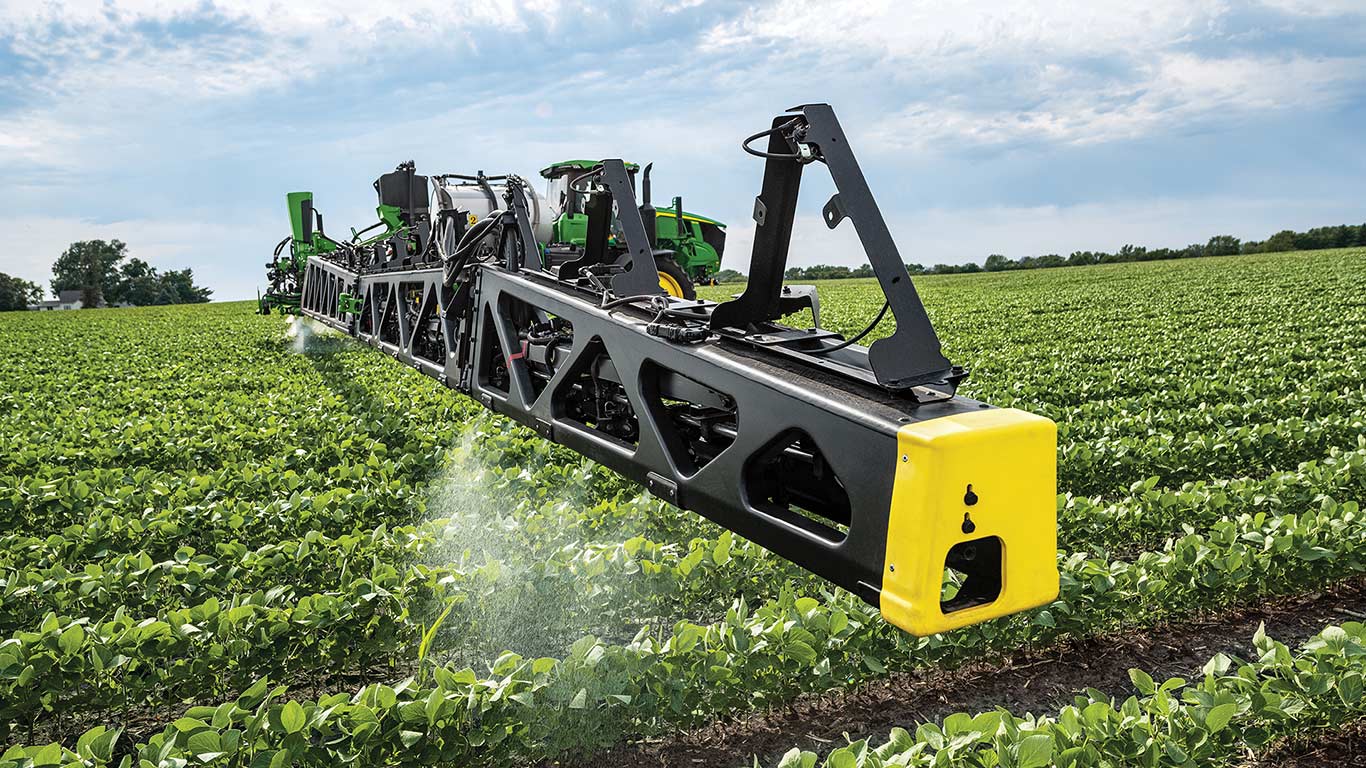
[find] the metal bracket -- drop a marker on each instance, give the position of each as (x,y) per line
(833,212)
(662,487)
(640,277)
(911,355)
(795,298)
(516,198)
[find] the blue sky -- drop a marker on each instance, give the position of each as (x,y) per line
(1014,127)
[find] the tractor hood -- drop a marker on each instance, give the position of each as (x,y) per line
(668,212)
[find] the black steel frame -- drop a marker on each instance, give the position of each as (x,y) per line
(775,433)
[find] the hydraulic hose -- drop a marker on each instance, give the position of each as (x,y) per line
(861,334)
(594,171)
(757,153)
(455,261)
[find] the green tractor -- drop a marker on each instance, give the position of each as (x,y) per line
(696,242)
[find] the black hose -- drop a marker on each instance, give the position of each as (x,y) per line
(861,334)
(594,171)
(467,245)
(781,155)
(627,300)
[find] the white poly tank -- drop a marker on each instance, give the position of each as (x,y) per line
(467,196)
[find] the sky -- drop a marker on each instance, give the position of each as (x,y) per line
(1017,127)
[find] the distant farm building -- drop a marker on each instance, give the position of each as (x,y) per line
(65,300)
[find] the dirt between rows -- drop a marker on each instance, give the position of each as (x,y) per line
(1345,747)
(1041,682)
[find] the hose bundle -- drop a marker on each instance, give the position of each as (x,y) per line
(453,260)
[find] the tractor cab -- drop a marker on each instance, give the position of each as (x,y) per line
(570,219)
(689,246)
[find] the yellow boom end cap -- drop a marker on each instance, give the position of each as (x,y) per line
(982,485)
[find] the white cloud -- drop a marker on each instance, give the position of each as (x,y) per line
(1177,90)
(261,43)
(1044,71)
(113,86)
(1318,8)
(36,138)
(926,31)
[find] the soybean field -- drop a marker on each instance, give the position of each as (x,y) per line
(231,540)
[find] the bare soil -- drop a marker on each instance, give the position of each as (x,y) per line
(1039,682)
(1342,747)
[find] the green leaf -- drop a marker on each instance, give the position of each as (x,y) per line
(204,742)
(83,741)
(1219,716)
(102,746)
(1350,688)
(188,724)
(428,635)
(1217,665)
(801,652)
(1035,751)
(580,699)
(292,717)
(841,758)
(253,695)
(721,553)
(71,639)
(1143,682)
(49,755)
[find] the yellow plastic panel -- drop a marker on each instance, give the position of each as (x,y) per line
(1009,457)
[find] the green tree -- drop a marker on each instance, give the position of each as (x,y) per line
(1223,245)
(139,284)
(97,269)
(729,276)
(1281,241)
(180,284)
(17,293)
(89,266)
(996,263)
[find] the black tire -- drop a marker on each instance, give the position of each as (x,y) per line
(667,266)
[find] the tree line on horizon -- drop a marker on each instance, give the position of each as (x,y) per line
(1318,238)
(106,276)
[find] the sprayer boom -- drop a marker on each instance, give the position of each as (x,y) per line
(860,464)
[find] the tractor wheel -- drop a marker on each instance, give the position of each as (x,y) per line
(674,280)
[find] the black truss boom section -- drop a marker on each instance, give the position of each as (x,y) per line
(787,436)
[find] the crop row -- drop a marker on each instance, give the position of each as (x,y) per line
(71,664)
(162,393)
(1237,707)
(615,583)
(600,692)
(256,503)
